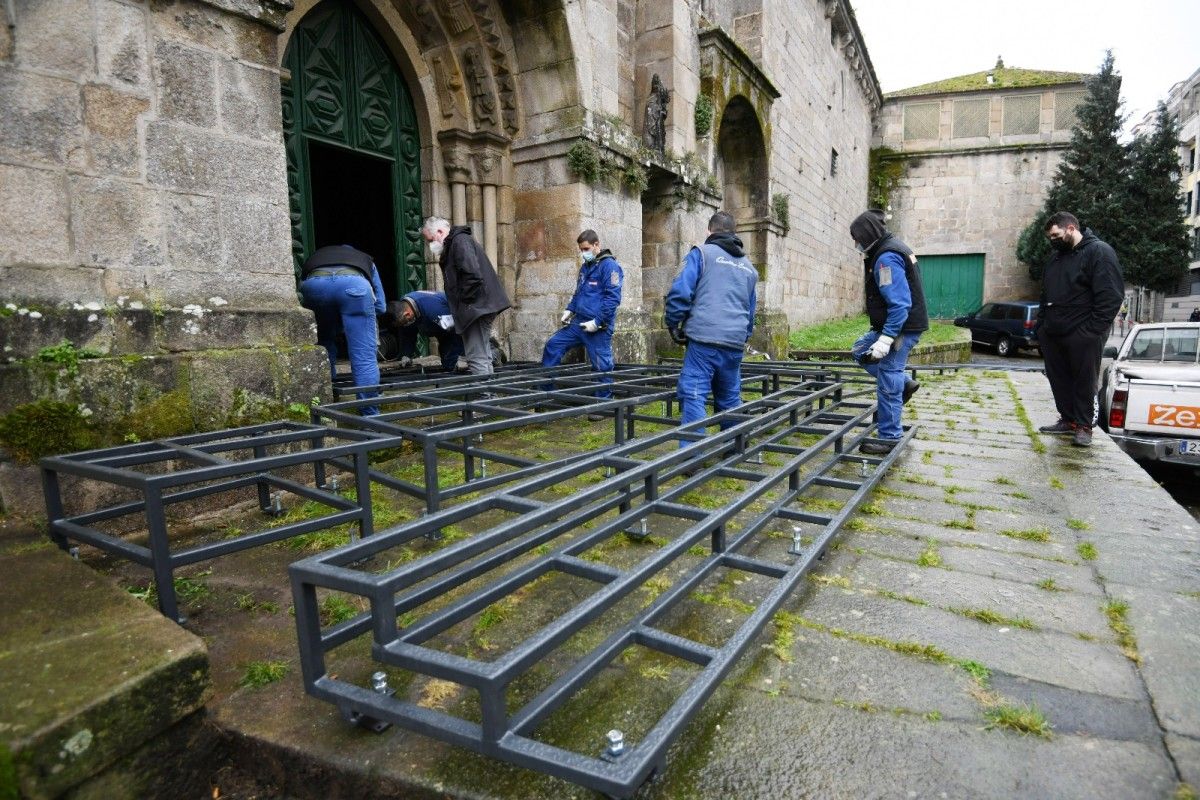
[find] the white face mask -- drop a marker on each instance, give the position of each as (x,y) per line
(435,247)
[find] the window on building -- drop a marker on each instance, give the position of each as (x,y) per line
(1196,244)
(833,159)
(971,117)
(1192,158)
(1187,203)
(1065,106)
(1022,114)
(921,121)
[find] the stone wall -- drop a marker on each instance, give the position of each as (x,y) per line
(141,156)
(975,194)
(143,214)
(976,203)
(813,269)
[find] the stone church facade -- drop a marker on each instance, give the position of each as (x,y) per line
(165,165)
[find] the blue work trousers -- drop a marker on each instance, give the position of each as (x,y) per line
(598,347)
(707,368)
(346,303)
(889,379)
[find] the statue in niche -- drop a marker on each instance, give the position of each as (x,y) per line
(654,128)
(482,100)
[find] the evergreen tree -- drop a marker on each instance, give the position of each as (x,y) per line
(1158,254)
(1091,181)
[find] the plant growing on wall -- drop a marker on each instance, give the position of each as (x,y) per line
(583,159)
(884,172)
(704,115)
(779,210)
(635,177)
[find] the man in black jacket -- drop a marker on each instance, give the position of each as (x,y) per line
(472,288)
(1082,289)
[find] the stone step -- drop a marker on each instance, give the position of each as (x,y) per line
(88,673)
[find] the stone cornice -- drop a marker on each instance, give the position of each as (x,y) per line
(268,12)
(854,48)
(715,40)
(904,155)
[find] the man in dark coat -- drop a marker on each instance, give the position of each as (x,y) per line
(472,288)
(1082,289)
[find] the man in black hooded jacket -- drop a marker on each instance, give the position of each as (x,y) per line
(1082,289)
(472,288)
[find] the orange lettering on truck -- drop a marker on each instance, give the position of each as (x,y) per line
(1174,416)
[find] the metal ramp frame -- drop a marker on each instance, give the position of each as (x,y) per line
(525,398)
(184,468)
(533,543)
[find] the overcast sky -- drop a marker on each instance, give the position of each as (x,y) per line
(1156,43)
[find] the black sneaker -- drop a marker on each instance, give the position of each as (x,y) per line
(878,448)
(910,388)
(1062,427)
(1082,437)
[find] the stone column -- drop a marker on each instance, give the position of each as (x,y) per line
(488,170)
(458,201)
(489,221)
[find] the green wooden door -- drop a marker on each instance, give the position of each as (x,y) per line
(346,92)
(953,284)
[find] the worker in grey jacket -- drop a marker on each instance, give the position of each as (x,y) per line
(711,308)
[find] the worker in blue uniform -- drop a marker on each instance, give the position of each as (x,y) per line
(427,314)
(588,320)
(341,285)
(711,307)
(896,309)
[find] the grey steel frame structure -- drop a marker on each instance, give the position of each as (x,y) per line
(635,492)
(211,466)
(508,402)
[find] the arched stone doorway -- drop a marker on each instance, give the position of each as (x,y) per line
(353,147)
(742,169)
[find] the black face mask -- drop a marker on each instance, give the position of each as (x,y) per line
(1063,245)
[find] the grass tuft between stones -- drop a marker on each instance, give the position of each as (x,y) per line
(260,673)
(1023,719)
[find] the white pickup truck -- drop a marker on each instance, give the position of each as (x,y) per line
(1150,394)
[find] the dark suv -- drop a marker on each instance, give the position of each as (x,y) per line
(1006,326)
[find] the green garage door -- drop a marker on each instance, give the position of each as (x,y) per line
(953,284)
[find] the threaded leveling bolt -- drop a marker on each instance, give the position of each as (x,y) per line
(615,741)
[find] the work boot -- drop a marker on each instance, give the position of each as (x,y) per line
(1082,437)
(910,388)
(1062,427)
(878,448)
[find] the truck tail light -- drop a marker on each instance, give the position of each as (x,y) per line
(1116,412)
(1029,323)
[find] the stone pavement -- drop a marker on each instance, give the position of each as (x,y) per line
(1000,581)
(1067,574)
(1010,616)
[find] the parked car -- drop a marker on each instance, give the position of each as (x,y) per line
(1150,393)
(1007,326)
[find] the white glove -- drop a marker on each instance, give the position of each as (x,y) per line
(445,322)
(566,317)
(590,326)
(882,346)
